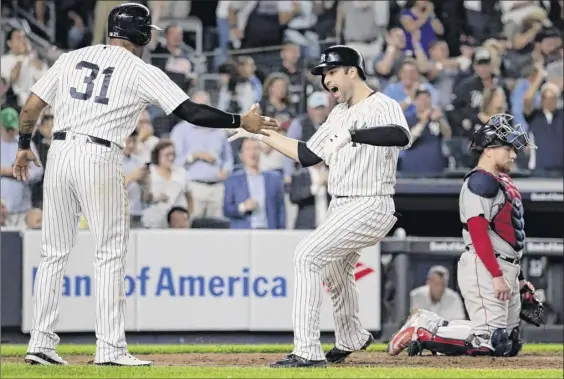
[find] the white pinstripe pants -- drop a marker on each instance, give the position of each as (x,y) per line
(82,177)
(330,253)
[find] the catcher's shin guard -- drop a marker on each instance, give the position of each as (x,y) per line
(445,346)
(501,343)
(515,337)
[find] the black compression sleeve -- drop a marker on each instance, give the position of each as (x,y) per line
(204,115)
(521,276)
(389,135)
(307,157)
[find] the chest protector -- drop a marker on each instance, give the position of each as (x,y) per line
(508,223)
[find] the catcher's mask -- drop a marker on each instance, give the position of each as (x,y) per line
(499,131)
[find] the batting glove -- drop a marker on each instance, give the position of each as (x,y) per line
(337,139)
(242,133)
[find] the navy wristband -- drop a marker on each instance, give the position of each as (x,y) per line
(24,142)
(237,121)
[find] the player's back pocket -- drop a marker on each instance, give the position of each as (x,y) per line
(101,153)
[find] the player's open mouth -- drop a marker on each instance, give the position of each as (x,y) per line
(334,91)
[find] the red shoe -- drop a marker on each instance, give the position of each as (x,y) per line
(403,337)
(401,340)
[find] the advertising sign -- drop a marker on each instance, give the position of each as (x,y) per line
(77,301)
(198,280)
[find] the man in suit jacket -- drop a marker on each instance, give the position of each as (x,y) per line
(254,199)
(308,190)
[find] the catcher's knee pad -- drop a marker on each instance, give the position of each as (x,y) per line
(515,338)
(501,343)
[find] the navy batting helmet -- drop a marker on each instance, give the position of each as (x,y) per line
(499,131)
(337,56)
(131,22)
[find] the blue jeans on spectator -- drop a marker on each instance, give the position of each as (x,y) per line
(155,111)
(74,38)
(223,32)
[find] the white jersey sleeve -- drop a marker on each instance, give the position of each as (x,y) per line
(46,87)
(155,87)
(393,114)
(317,141)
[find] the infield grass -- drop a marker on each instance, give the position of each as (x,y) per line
(15,370)
(21,370)
(9,350)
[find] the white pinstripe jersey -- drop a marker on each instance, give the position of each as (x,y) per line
(362,170)
(102,90)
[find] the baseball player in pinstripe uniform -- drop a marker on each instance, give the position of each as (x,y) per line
(490,277)
(360,141)
(98,94)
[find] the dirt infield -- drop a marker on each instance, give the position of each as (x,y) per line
(359,359)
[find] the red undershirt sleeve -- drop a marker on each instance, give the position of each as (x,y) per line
(478,229)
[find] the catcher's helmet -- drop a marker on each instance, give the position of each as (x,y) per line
(499,131)
(337,56)
(131,22)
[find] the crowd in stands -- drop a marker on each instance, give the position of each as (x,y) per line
(450,64)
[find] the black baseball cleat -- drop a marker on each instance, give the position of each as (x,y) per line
(293,361)
(44,359)
(338,356)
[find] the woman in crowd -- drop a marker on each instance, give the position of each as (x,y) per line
(276,97)
(168,186)
(419,15)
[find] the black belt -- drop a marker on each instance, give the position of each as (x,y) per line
(514,261)
(99,141)
(206,183)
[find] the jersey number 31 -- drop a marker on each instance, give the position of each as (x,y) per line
(89,80)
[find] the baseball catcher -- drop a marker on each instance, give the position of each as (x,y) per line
(490,278)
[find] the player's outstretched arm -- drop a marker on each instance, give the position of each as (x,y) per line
(387,135)
(155,87)
(292,148)
(210,117)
